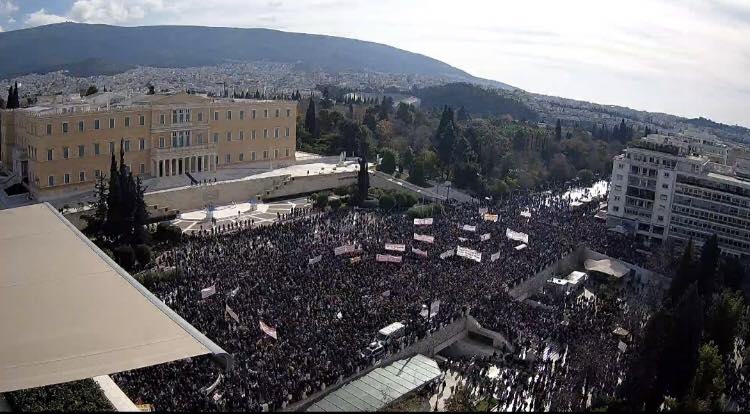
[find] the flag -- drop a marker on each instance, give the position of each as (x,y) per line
(234,291)
(419,252)
(268,330)
(315,259)
(526,213)
(424,238)
(232,314)
(395,247)
(469,254)
(469,228)
(208,292)
(446,254)
(484,237)
(355,259)
(490,217)
(423,222)
(494,256)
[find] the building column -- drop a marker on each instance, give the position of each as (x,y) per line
(168,167)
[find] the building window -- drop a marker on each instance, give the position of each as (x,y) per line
(97,173)
(665,186)
(276,133)
(49,129)
(141,120)
(66,179)
(242,156)
(200,138)
(265,133)
(252,156)
(242,115)
(275,154)
(65,152)
(242,135)
(229,136)
(216,115)
(161,119)
(277,113)
(252,134)
(96,149)
(111,123)
(111,147)
(81,151)
(82,176)
(96,124)
(127,121)
(287,152)
(660,218)
(49,155)
(265,113)
(666,174)
(265,155)
(161,142)
(141,144)
(200,116)
(127,145)
(663,197)
(287,132)
(229,115)
(216,137)
(80,126)
(288,112)
(253,113)
(65,127)
(143,169)
(615,208)
(51,181)
(619,177)
(228,158)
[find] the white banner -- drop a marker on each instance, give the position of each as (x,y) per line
(483,210)
(386,294)
(517,236)
(356,259)
(469,254)
(494,256)
(208,292)
(419,252)
(423,222)
(469,228)
(347,248)
(424,238)
(446,254)
(232,314)
(234,292)
(315,259)
(490,217)
(395,247)
(463,239)
(268,330)
(520,247)
(526,213)
(484,237)
(388,258)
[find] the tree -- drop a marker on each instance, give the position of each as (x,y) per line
(95,223)
(405,113)
(586,177)
(151,89)
(407,159)
(310,119)
(558,130)
(363,176)
(446,139)
(462,114)
(709,382)
(707,265)
(125,256)
(143,254)
(386,202)
(685,274)
(388,163)
(320,200)
(91,90)
(417,173)
(723,321)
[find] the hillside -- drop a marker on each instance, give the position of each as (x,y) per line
(94,49)
(476,100)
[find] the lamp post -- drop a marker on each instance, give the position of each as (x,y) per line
(448,191)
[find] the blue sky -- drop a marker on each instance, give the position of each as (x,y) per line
(685,57)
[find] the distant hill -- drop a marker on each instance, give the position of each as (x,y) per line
(476,100)
(96,49)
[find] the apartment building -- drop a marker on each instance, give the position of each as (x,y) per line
(61,148)
(667,188)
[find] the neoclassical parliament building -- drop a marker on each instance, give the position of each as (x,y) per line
(59,148)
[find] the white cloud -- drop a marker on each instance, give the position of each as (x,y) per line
(8,7)
(41,17)
(1,29)
(115,11)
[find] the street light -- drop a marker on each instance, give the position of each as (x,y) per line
(448,192)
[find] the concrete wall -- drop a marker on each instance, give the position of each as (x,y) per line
(385,181)
(564,266)
(307,184)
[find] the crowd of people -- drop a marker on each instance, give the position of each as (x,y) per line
(326,312)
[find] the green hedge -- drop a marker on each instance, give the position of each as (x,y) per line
(151,277)
(425,210)
(84,395)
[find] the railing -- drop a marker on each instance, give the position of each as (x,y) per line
(178,150)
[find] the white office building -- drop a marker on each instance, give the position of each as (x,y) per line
(673,188)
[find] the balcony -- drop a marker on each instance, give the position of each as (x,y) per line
(186,150)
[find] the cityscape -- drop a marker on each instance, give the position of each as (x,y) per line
(284,218)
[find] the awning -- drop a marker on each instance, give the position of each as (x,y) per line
(607,266)
(68,312)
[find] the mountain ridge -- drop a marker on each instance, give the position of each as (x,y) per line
(99,49)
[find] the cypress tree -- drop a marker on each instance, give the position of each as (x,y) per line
(9,103)
(558,130)
(310,120)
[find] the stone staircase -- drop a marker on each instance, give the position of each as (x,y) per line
(278,183)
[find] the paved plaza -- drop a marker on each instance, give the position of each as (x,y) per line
(259,213)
